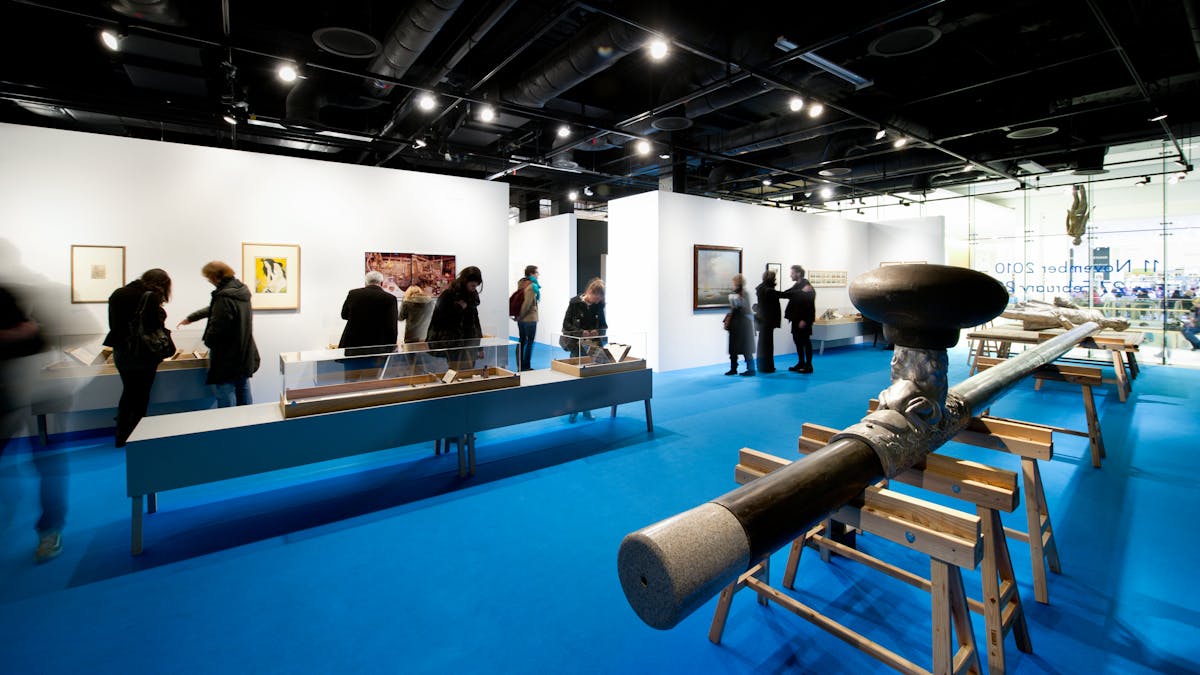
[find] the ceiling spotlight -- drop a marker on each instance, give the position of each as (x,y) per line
(816,109)
(766,181)
(900,142)
(111,39)
(287,72)
(1158,118)
(564,131)
(426,102)
(665,155)
(880,134)
(487,113)
(796,104)
(826,193)
(419,143)
(588,191)
(642,147)
(572,195)
(230,119)
(658,49)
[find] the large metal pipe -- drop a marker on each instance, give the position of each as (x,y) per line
(671,568)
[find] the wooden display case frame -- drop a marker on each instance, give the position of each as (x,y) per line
(584,366)
(351,395)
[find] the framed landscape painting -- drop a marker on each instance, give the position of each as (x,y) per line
(713,268)
(96,271)
(272,272)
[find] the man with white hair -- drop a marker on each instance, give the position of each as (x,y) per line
(372,316)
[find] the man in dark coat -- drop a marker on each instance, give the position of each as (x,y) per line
(767,317)
(372,317)
(801,311)
(229,336)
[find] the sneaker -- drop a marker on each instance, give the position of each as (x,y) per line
(587,415)
(572,417)
(49,546)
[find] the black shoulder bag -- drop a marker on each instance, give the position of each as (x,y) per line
(148,346)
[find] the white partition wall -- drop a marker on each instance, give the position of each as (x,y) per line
(650,261)
(180,206)
(908,240)
(550,244)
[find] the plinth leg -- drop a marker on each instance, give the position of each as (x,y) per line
(471,452)
(1049,548)
(1123,387)
(614,411)
(793,563)
(649,418)
(1133,365)
(135,542)
(152,502)
(462,459)
(43,435)
(718,623)
(1038,522)
(1095,440)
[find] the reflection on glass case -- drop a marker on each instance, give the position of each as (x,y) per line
(86,355)
(329,380)
(609,351)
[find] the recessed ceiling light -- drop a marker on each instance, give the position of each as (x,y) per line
(110,40)
(572,195)
(766,181)
(826,193)
(487,113)
(665,155)
(1158,118)
(880,134)
(658,49)
(816,109)
(564,131)
(642,147)
(230,120)
(426,102)
(900,142)
(588,191)
(796,104)
(419,143)
(287,72)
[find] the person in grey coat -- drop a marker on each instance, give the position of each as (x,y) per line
(229,336)
(741,328)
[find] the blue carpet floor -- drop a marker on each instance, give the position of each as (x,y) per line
(393,564)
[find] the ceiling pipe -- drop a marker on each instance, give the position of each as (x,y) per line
(723,98)
(1137,78)
(408,38)
(1189,8)
(778,132)
(599,46)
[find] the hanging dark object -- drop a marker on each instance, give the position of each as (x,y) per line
(1078,214)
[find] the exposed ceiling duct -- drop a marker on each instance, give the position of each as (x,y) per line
(409,37)
(723,98)
(598,46)
(306,99)
(777,132)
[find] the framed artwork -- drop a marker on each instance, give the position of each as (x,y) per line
(401,270)
(96,271)
(828,278)
(272,272)
(777,268)
(713,268)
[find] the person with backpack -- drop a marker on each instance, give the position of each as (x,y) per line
(137,303)
(523,308)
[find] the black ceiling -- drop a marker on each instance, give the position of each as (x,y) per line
(976,89)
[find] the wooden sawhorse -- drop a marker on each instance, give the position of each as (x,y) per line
(1086,378)
(952,539)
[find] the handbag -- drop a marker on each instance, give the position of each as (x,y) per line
(728,320)
(148,346)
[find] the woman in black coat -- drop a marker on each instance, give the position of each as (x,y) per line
(767,317)
(455,320)
(741,327)
(153,288)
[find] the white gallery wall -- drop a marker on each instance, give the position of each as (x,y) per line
(650,264)
(549,243)
(179,206)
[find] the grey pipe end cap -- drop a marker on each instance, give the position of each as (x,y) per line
(671,568)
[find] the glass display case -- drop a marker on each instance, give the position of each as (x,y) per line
(607,351)
(85,355)
(329,380)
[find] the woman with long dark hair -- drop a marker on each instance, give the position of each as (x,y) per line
(143,296)
(455,321)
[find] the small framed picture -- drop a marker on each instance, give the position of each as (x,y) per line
(96,271)
(272,272)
